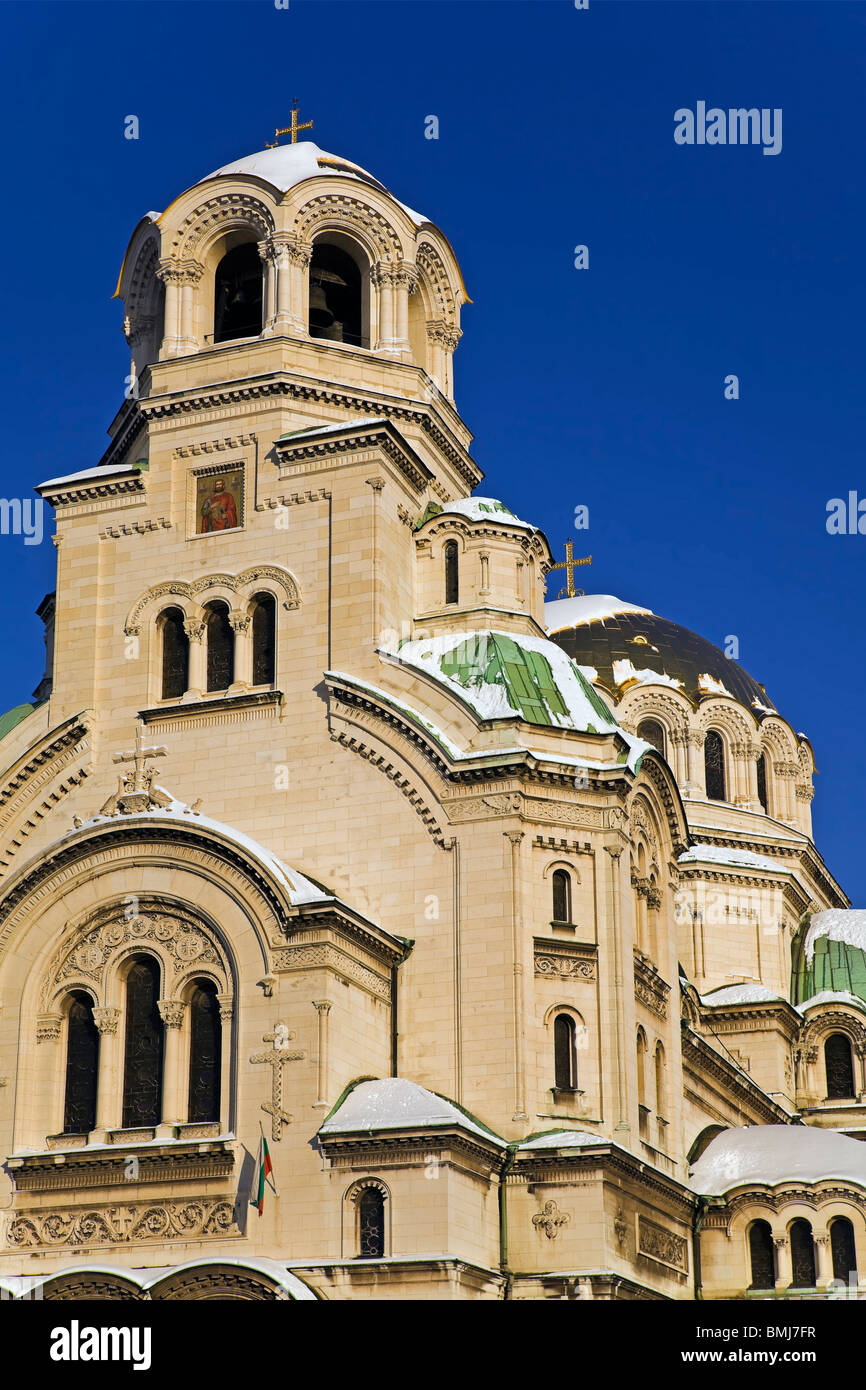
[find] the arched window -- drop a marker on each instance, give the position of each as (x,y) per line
(843,1249)
(714,765)
(564,1053)
(336,296)
(238,294)
(205,1053)
(264,635)
(142,1063)
(641,1067)
(82,1066)
(220,647)
(452,573)
(371,1224)
(651,731)
(762,782)
(561,895)
(840,1067)
(802,1255)
(762,1255)
(175,654)
(661,1086)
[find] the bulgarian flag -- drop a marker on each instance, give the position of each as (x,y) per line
(263,1170)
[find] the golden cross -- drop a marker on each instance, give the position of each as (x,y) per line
(289,129)
(569,564)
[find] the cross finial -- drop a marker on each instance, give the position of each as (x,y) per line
(569,564)
(289,129)
(139,756)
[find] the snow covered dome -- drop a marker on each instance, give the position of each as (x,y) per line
(625,643)
(485,509)
(771,1154)
(288,165)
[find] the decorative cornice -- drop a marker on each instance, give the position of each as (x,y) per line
(63,1169)
(352,440)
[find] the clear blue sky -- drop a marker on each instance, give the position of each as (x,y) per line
(601,387)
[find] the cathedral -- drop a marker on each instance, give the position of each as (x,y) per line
(381,917)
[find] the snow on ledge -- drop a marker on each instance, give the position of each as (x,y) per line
(737,858)
(831,996)
(485,509)
(772,1154)
(740,994)
(565,1139)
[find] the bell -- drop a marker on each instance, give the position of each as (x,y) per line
(320,315)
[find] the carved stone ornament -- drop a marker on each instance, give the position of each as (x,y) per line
(192,1219)
(276,1058)
(549,1220)
(664,1246)
(106,1021)
(171,1011)
(620,1227)
(48,1027)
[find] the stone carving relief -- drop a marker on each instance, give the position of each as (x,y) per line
(195,1218)
(664,1246)
(549,1220)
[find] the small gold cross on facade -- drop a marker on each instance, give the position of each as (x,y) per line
(279,1054)
(569,564)
(289,129)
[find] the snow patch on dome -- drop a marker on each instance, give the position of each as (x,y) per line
(722,854)
(838,924)
(624,673)
(485,509)
(711,686)
(773,1154)
(831,996)
(561,613)
(395,1103)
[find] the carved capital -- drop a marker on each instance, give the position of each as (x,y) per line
(171,1011)
(48,1027)
(226,1006)
(106,1021)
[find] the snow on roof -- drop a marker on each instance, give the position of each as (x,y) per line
(564,1139)
(837,924)
(561,613)
(774,1154)
(288,165)
(298,888)
(334,428)
(739,994)
(395,1103)
(764,709)
(739,858)
(485,509)
(89,473)
(476,667)
(624,673)
(831,996)
(711,686)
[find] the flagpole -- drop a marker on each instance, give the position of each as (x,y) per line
(263,1141)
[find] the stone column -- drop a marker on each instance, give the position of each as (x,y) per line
(823,1259)
(784,1268)
(226,1005)
(323,1008)
(242,628)
(172,1014)
(108,1085)
(381,277)
(514,837)
(197,678)
(293,264)
(695,775)
(621,1108)
(190,273)
(171,276)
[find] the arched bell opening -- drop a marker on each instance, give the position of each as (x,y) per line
(238,284)
(339,299)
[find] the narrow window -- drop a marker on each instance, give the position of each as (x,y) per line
(565,1056)
(762,1256)
(175,654)
(82,1066)
(661,1103)
(651,731)
(264,633)
(205,1053)
(840,1067)
(371,1221)
(336,311)
(220,648)
(714,765)
(142,1064)
(238,294)
(641,1067)
(802,1255)
(762,783)
(843,1249)
(561,896)
(452,578)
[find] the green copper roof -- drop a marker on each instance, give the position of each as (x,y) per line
(13,717)
(526,675)
(827,964)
